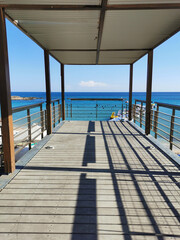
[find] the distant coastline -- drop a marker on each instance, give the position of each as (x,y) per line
(24,98)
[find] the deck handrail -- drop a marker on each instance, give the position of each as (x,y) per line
(31,126)
(23,108)
(97,99)
(166,127)
(167,105)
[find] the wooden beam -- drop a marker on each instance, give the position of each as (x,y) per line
(101,50)
(101,25)
(143,6)
(61,7)
(5,100)
(130,91)
(50,7)
(148,92)
(62,92)
(48,92)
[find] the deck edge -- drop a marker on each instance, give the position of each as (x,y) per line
(163,148)
(21,163)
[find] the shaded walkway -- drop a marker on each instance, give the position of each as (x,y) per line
(102,180)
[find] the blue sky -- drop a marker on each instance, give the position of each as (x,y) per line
(27,69)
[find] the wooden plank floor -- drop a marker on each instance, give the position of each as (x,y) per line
(102,181)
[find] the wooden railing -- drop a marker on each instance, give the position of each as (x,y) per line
(28,128)
(166,125)
(56,111)
(30,125)
(164,121)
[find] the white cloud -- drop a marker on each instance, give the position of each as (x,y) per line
(92,84)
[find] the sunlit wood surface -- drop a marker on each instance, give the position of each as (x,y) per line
(102,181)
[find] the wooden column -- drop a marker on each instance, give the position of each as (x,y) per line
(148,92)
(130,91)
(48,92)
(62,92)
(5,100)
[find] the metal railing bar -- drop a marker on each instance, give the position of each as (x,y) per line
(164,119)
(20,133)
(177,124)
(21,141)
(163,131)
(36,137)
(20,126)
(167,105)
(175,145)
(175,138)
(19,119)
(55,100)
(23,108)
(163,137)
(176,131)
(164,113)
(22,148)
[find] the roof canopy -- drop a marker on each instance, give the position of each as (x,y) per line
(95,31)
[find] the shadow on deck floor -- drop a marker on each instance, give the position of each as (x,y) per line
(101,181)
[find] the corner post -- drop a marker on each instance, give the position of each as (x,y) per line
(48,92)
(148,92)
(62,92)
(5,100)
(130,91)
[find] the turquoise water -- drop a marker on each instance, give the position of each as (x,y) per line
(101,110)
(165,97)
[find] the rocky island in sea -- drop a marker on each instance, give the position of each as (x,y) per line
(23,98)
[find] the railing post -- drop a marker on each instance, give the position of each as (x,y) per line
(135,112)
(71,111)
(62,92)
(29,127)
(156,120)
(48,92)
(54,115)
(151,118)
(122,108)
(141,114)
(5,100)
(172,129)
(130,91)
(96,110)
(67,110)
(59,111)
(148,92)
(42,121)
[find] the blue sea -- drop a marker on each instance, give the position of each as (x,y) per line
(99,110)
(165,97)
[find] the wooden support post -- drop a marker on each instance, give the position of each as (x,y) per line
(148,92)
(62,92)
(5,100)
(130,91)
(48,92)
